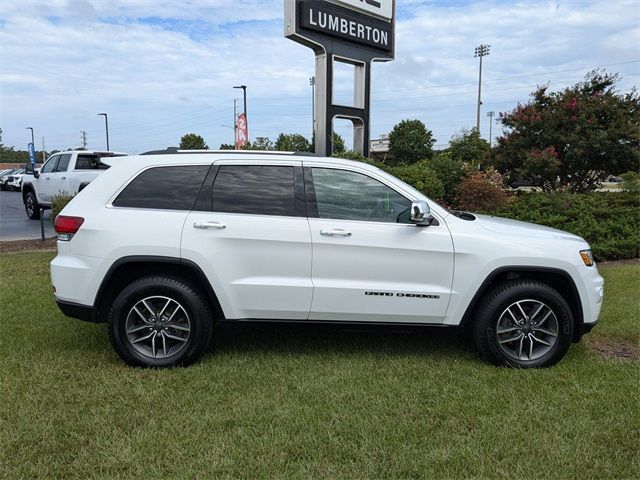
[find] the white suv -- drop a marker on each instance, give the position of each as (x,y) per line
(165,245)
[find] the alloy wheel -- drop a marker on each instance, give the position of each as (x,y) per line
(158,327)
(527,330)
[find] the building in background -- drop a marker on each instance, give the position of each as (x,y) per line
(379,147)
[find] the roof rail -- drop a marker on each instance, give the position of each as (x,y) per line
(175,150)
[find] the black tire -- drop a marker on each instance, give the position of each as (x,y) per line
(495,345)
(196,308)
(31,206)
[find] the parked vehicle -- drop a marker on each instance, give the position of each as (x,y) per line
(522,182)
(272,236)
(4,177)
(63,172)
(14,181)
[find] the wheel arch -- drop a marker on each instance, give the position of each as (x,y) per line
(556,278)
(26,188)
(127,269)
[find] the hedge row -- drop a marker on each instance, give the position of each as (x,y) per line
(609,221)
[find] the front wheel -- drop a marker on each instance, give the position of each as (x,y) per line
(31,206)
(160,321)
(523,324)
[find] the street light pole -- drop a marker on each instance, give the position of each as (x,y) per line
(244,93)
(106,126)
(32,137)
(481,51)
(235,123)
(490,115)
(312,82)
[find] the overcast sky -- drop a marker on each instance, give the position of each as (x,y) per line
(161,69)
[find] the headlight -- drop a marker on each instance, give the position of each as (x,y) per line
(587,258)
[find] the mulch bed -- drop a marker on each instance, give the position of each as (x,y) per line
(613,348)
(28,245)
(628,261)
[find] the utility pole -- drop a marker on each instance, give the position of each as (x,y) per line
(246,119)
(312,82)
(106,126)
(43,154)
(490,115)
(83,136)
(481,51)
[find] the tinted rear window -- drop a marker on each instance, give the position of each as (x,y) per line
(90,162)
(169,188)
(255,189)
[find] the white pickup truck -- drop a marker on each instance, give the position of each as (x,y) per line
(64,172)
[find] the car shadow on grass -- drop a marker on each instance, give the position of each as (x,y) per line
(287,338)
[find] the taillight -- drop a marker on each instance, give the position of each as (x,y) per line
(67,226)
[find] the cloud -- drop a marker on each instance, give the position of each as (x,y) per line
(162,69)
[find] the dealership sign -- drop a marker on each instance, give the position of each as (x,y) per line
(346,24)
(355,32)
(382,8)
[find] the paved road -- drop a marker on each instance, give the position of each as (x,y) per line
(14,224)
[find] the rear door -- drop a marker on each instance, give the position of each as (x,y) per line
(250,235)
(370,263)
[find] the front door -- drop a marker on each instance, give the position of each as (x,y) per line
(43,185)
(251,238)
(57,182)
(369,262)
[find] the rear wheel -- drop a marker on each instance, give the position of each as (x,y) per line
(160,321)
(31,206)
(524,324)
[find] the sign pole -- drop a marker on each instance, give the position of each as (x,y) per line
(348,31)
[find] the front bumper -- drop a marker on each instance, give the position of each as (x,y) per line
(76,310)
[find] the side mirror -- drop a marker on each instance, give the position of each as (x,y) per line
(420,213)
(29,168)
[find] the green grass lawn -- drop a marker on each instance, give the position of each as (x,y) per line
(308,403)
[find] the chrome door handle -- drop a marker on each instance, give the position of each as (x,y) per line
(217,225)
(333,232)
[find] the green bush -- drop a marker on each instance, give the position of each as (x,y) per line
(420,176)
(58,203)
(609,221)
(450,172)
(631,182)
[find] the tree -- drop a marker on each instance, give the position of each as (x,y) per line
(338,143)
(192,141)
(262,143)
(292,142)
(573,138)
(469,147)
(410,141)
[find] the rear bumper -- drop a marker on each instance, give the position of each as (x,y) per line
(76,310)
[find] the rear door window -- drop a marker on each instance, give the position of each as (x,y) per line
(255,189)
(167,188)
